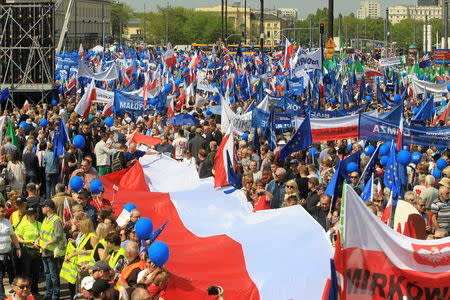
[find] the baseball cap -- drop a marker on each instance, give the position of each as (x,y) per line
(20,200)
(445,182)
(31,210)
(294,162)
(281,142)
(100,266)
(48,203)
(87,282)
(100,286)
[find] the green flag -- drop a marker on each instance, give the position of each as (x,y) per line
(358,67)
(416,68)
(326,63)
(10,132)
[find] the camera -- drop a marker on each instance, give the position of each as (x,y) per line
(213,290)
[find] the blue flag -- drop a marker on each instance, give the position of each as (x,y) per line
(391,177)
(426,110)
(370,167)
(271,133)
(332,187)
(60,139)
(354,157)
(301,139)
(157,232)
(233,179)
(4,95)
(367,193)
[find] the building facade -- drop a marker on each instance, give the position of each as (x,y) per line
(400,12)
(369,9)
(427,2)
(246,20)
(90,21)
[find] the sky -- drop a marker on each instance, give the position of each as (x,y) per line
(304,7)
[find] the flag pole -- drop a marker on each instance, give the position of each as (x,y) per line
(365,168)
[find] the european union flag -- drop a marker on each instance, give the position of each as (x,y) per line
(370,167)
(301,139)
(426,110)
(4,95)
(60,139)
(233,179)
(157,232)
(367,193)
(391,177)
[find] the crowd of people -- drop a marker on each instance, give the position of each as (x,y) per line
(102,260)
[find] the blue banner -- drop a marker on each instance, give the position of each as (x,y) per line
(326,114)
(292,107)
(260,118)
(66,62)
(377,129)
(296,86)
(283,120)
(129,103)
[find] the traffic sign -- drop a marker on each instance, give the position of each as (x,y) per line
(379,45)
(330,44)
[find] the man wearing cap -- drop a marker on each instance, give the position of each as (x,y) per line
(102,290)
(100,270)
(6,236)
(50,238)
(86,288)
(27,232)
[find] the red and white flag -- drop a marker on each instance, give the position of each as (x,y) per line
(81,51)
(84,105)
(289,50)
(169,56)
(67,211)
(170,108)
(235,240)
(376,262)
(400,134)
(145,89)
(26,105)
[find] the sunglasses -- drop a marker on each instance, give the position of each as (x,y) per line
(290,186)
(353,176)
(22,287)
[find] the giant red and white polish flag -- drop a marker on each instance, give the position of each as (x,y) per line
(376,262)
(215,239)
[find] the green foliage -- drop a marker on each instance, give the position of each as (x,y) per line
(185,26)
(120,13)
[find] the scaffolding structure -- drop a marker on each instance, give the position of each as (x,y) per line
(27,50)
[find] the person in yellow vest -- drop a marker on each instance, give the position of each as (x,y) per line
(99,250)
(20,214)
(50,237)
(128,276)
(18,217)
(21,288)
(115,254)
(84,247)
(27,232)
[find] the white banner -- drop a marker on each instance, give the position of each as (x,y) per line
(103,96)
(305,61)
(391,61)
(203,84)
(240,123)
(110,74)
(421,86)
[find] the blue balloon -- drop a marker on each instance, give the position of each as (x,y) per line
(76,183)
(44,123)
(428,77)
(96,186)
(349,147)
(421,76)
(384,160)
(388,95)
(403,74)
(406,147)
(24,125)
(167,88)
(231,100)
(441,163)
(113,109)
(153,101)
(384,149)
(333,100)
(54,102)
(437,173)
(245,136)
(313,152)
(144,228)
(416,157)
(369,150)
(448,87)
(109,121)
(404,157)
(352,167)
(397,98)
(158,253)
(129,206)
(208,111)
(177,82)
(368,99)
(78,141)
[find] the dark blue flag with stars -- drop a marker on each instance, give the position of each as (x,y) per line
(391,177)
(301,139)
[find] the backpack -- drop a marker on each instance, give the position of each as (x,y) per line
(117,163)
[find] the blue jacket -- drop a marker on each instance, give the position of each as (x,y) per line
(51,167)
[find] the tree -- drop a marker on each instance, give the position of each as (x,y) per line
(120,14)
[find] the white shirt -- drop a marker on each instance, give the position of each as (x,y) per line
(5,236)
(180,146)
